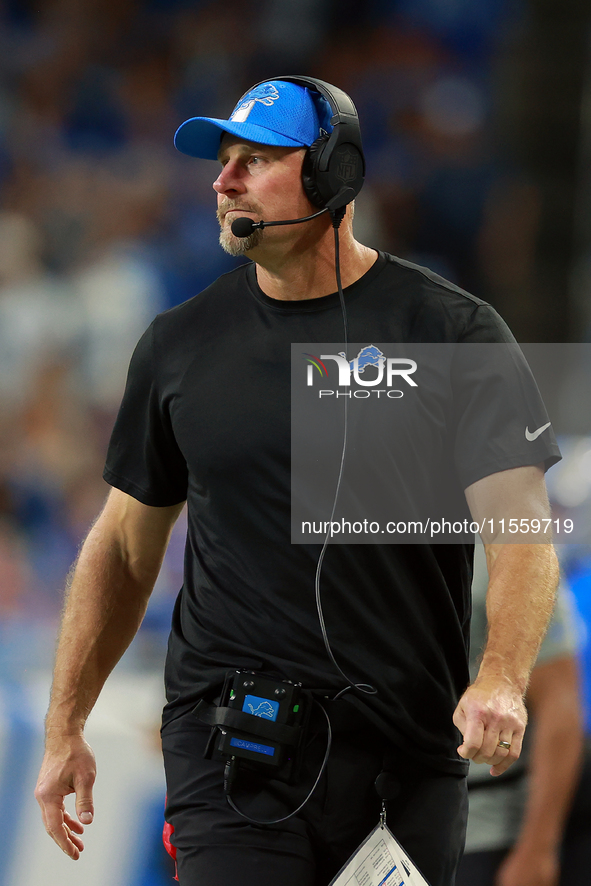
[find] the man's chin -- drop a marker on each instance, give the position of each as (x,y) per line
(239,245)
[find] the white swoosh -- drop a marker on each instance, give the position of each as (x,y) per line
(535,434)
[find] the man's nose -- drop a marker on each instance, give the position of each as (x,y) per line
(229,181)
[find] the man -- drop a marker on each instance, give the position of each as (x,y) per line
(206,417)
(517,822)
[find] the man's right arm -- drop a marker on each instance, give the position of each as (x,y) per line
(107,599)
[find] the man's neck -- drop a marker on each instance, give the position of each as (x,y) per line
(310,273)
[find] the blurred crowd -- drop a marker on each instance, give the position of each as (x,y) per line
(103,224)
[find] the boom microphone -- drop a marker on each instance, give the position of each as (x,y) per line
(244,227)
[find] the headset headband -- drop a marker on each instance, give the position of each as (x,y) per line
(341,104)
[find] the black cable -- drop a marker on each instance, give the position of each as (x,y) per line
(366,688)
(230,772)
(232,765)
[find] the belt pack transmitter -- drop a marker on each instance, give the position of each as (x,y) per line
(259,720)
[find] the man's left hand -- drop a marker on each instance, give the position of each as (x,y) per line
(491,710)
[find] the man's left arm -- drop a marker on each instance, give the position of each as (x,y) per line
(523,577)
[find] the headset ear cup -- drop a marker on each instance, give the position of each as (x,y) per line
(310,174)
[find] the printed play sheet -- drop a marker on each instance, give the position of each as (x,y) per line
(380,861)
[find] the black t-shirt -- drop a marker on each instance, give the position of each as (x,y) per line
(206,417)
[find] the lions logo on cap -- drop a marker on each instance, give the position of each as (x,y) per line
(266,94)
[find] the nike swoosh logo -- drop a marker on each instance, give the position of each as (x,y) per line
(535,434)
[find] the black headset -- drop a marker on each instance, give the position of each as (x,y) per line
(334,165)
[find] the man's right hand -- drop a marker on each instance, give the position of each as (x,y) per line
(105,604)
(68,767)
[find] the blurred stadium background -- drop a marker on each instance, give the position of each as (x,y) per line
(476,119)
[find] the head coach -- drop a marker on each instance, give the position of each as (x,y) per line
(205,419)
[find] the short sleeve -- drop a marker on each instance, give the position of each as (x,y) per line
(500,418)
(143,457)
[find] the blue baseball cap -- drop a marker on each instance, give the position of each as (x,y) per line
(273,113)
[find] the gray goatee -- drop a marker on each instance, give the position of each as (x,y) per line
(236,245)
